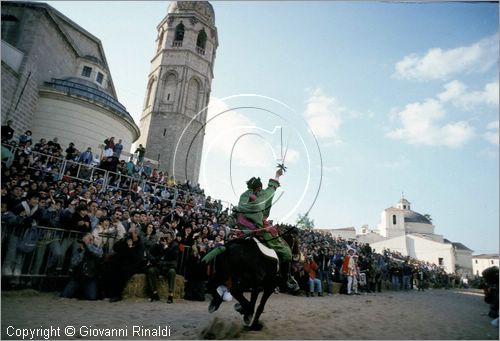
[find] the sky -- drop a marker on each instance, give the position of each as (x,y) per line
(365,101)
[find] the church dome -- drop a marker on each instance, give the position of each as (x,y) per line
(414,217)
(202,8)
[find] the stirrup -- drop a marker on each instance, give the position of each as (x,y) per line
(292,284)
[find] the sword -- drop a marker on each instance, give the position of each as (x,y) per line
(283,156)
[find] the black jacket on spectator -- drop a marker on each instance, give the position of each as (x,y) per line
(74,223)
(129,260)
(165,258)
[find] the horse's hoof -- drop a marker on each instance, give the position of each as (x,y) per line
(247,320)
(257,326)
(213,306)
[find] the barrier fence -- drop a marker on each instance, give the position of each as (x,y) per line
(39,252)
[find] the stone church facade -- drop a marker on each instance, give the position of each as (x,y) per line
(178,89)
(56,81)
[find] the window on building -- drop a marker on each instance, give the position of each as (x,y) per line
(164,131)
(10,29)
(404,206)
(87,70)
(394,219)
(492,262)
(179,32)
(202,39)
(476,261)
(160,40)
(99,78)
(440,261)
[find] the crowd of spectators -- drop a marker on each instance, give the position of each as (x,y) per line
(108,219)
(319,267)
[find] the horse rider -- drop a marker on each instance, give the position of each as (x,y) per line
(252,212)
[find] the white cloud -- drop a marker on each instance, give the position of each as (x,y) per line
(440,63)
(420,120)
(453,90)
(252,145)
(456,93)
(420,126)
(492,135)
(323,114)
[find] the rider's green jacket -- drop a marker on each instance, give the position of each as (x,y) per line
(257,210)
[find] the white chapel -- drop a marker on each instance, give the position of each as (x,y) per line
(412,234)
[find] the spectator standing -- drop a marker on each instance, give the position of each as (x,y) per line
(54,146)
(25,138)
(118,148)
(141,151)
(127,260)
(86,157)
(85,268)
(350,269)
(110,143)
(70,151)
(7,131)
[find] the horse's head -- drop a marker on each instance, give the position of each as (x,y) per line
(290,234)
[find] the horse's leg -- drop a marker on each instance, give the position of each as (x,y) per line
(220,277)
(256,325)
(244,307)
(253,299)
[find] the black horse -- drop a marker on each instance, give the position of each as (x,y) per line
(248,269)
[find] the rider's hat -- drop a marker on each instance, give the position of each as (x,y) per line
(254,183)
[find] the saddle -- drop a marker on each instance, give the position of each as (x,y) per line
(268,252)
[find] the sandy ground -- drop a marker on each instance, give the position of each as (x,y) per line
(433,314)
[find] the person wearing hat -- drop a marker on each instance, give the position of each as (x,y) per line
(350,269)
(253,209)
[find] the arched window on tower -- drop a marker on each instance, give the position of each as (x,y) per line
(394,219)
(201,42)
(160,41)
(170,88)
(179,35)
(10,29)
(192,97)
(150,97)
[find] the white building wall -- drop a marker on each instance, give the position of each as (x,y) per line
(369,238)
(430,251)
(80,122)
(480,264)
(464,260)
(421,249)
(394,244)
(387,227)
(345,234)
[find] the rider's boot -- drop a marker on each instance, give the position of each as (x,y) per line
(286,279)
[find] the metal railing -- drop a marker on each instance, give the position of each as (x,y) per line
(109,179)
(27,260)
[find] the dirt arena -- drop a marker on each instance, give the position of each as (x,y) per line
(429,315)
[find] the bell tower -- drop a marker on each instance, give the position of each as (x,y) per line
(178,88)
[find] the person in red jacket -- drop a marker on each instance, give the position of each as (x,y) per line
(350,269)
(311,267)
